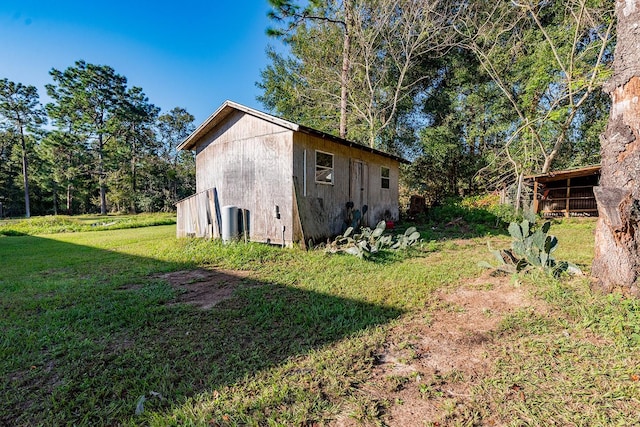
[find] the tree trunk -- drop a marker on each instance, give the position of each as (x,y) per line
(134,185)
(134,177)
(69,199)
(344,78)
(519,192)
(25,176)
(101,177)
(617,262)
(55,198)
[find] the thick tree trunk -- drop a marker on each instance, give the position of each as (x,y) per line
(617,262)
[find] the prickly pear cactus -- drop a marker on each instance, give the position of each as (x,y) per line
(533,244)
(367,242)
(531,247)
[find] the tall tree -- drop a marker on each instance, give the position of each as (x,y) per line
(89,96)
(179,170)
(133,128)
(548,59)
(20,108)
(377,86)
(64,154)
(467,119)
(331,12)
(173,128)
(8,191)
(617,257)
(303,85)
(391,39)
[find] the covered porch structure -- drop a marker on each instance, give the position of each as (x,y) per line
(567,193)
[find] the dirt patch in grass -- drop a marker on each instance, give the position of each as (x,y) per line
(431,360)
(205,288)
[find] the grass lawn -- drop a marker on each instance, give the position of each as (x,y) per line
(109,328)
(65,223)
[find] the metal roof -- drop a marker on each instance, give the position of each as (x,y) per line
(564,174)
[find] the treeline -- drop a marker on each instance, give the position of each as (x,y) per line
(100,146)
(478,94)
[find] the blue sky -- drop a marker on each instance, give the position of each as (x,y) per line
(188,53)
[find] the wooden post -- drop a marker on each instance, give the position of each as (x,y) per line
(535,196)
(244,226)
(566,212)
(518,195)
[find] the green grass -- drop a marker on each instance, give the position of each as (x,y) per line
(90,326)
(578,364)
(64,223)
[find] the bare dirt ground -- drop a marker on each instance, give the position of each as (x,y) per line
(205,288)
(430,360)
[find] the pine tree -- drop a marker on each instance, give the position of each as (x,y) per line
(20,109)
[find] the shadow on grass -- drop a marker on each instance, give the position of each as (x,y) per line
(11,233)
(88,331)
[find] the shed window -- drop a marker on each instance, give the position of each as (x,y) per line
(384,177)
(324,167)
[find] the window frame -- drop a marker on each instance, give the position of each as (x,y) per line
(324,169)
(384,179)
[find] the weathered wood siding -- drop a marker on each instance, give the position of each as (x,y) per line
(249,161)
(357,178)
(266,167)
(199,215)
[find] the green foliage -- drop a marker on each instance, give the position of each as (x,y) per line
(109,149)
(21,113)
(466,117)
(285,81)
(548,60)
(383,74)
(480,214)
(366,243)
(531,247)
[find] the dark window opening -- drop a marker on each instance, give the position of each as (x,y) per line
(385,177)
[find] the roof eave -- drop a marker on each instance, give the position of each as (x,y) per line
(570,173)
(220,114)
(228,107)
(348,143)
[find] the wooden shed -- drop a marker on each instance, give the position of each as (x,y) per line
(566,193)
(289,183)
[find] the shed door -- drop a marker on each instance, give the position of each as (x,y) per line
(359,185)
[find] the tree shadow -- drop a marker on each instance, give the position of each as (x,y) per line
(88,331)
(11,233)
